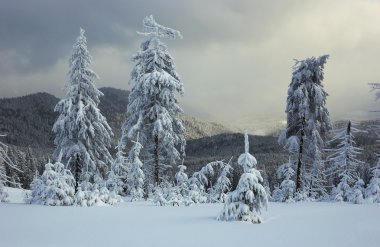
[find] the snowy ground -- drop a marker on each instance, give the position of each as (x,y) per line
(142,224)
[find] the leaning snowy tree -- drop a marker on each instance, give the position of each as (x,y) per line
(153,108)
(308,122)
(249,198)
(82,133)
(343,161)
(218,192)
(199,182)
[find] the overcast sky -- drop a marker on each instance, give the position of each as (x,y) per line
(235,59)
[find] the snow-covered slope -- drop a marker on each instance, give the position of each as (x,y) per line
(196,128)
(142,224)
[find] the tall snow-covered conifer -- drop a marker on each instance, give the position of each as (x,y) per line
(153,108)
(82,133)
(308,121)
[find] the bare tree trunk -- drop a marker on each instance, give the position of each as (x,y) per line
(156,161)
(77,172)
(300,153)
(299,164)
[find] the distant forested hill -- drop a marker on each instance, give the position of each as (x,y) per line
(28,121)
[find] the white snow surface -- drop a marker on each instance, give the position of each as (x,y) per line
(143,224)
(15,196)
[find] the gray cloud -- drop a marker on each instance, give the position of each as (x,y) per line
(42,30)
(235,58)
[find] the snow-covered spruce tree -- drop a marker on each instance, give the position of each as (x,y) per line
(5,161)
(179,193)
(136,175)
(153,109)
(287,186)
(357,193)
(308,121)
(169,194)
(55,187)
(166,194)
(315,179)
(160,193)
(82,133)
(117,177)
(373,189)
(341,192)
(114,183)
(182,180)
(199,181)
(97,193)
(344,162)
(266,184)
(175,198)
(277,194)
(36,189)
(249,198)
(102,194)
(223,183)
(182,185)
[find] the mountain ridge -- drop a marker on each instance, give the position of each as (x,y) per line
(28,120)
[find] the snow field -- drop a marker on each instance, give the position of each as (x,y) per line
(143,224)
